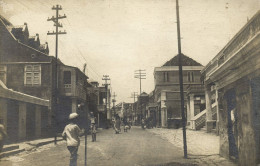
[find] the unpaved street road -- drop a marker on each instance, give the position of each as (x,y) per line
(134,148)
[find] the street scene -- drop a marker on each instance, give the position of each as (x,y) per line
(130,83)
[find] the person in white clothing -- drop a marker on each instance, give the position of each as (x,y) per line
(71,134)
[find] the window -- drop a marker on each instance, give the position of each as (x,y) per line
(67,77)
(190,77)
(3,73)
(32,75)
(165,76)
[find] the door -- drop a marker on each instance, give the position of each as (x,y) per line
(232,123)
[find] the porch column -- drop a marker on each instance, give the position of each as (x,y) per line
(149,112)
(38,121)
(98,119)
(22,121)
(209,122)
(188,111)
(191,106)
(74,105)
(163,114)
(3,111)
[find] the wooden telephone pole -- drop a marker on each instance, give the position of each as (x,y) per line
(134,95)
(181,80)
(106,78)
(140,74)
(55,81)
(114,100)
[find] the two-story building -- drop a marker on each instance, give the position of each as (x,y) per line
(232,80)
(167,88)
(26,67)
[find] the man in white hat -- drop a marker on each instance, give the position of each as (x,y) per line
(71,134)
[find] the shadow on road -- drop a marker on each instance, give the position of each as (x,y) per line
(174,164)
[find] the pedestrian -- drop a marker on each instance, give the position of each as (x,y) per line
(117,124)
(93,132)
(71,134)
(3,136)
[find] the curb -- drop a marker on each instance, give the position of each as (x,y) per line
(10,152)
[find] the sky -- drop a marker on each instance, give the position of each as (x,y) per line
(117,37)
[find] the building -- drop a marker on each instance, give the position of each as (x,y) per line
(167,88)
(72,92)
(233,75)
(26,67)
(24,116)
(101,109)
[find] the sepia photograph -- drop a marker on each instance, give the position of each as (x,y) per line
(129,82)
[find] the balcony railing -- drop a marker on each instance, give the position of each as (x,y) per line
(101,108)
(67,88)
(195,88)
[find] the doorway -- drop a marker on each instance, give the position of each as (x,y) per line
(232,123)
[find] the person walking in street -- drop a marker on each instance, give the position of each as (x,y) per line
(93,132)
(71,134)
(3,136)
(117,124)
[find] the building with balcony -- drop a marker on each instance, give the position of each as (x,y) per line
(167,88)
(233,75)
(72,91)
(101,108)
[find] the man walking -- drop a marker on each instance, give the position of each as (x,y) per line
(71,134)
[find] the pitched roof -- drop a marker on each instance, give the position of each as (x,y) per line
(186,61)
(6,22)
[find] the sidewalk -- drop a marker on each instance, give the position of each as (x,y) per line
(26,146)
(202,147)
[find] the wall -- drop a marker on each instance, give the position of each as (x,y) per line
(245,132)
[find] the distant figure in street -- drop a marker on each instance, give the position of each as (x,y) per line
(93,132)
(3,136)
(92,118)
(71,134)
(143,123)
(117,124)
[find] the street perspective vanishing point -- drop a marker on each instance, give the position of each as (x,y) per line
(130,83)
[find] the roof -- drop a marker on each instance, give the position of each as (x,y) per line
(15,95)
(144,94)
(186,61)
(234,41)
(6,22)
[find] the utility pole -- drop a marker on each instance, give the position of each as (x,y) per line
(106,78)
(140,74)
(181,80)
(114,100)
(55,81)
(134,95)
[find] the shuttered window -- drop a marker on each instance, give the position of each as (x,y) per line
(32,75)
